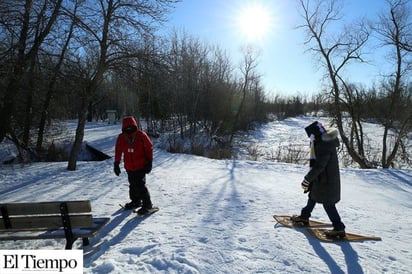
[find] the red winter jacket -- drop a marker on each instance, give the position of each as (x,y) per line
(136,148)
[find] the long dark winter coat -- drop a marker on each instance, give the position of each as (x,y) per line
(324,175)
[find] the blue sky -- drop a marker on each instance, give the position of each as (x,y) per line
(285,65)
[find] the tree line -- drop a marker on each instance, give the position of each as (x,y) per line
(79,58)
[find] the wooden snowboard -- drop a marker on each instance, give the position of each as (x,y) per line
(285,220)
(319,234)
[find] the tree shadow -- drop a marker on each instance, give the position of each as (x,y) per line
(351,256)
(98,247)
(225,205)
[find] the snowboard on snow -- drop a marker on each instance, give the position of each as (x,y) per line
(319,233)
(286,221)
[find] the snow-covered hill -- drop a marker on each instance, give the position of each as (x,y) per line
(216,215)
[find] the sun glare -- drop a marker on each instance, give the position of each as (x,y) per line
(254,22)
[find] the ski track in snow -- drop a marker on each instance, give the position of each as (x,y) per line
(216,215)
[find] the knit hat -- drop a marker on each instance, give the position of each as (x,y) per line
(315,128)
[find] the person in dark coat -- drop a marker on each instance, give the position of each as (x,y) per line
(322,182)
(136,149)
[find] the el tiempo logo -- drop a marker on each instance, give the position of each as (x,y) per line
(38,261)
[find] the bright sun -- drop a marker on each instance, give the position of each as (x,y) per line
(254,22)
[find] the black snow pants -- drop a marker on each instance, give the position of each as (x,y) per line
(137,188)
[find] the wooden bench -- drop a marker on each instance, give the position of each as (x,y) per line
(49,220)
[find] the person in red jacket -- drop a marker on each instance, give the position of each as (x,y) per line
(137,151)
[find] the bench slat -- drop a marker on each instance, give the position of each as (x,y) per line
(46,222)
(98,223)
(46,208)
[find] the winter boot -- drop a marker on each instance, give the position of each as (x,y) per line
(133,205)
(143,210)
(335,234)
(299,221)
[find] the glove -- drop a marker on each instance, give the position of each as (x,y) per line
(148,167)
(116,168)
(305,185)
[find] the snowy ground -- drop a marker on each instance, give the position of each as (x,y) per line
(216,215)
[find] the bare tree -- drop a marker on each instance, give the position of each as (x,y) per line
(110,32)
(52,81)
(335,54)
(26,25)
(394,31)
(250,77)
(219,93)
